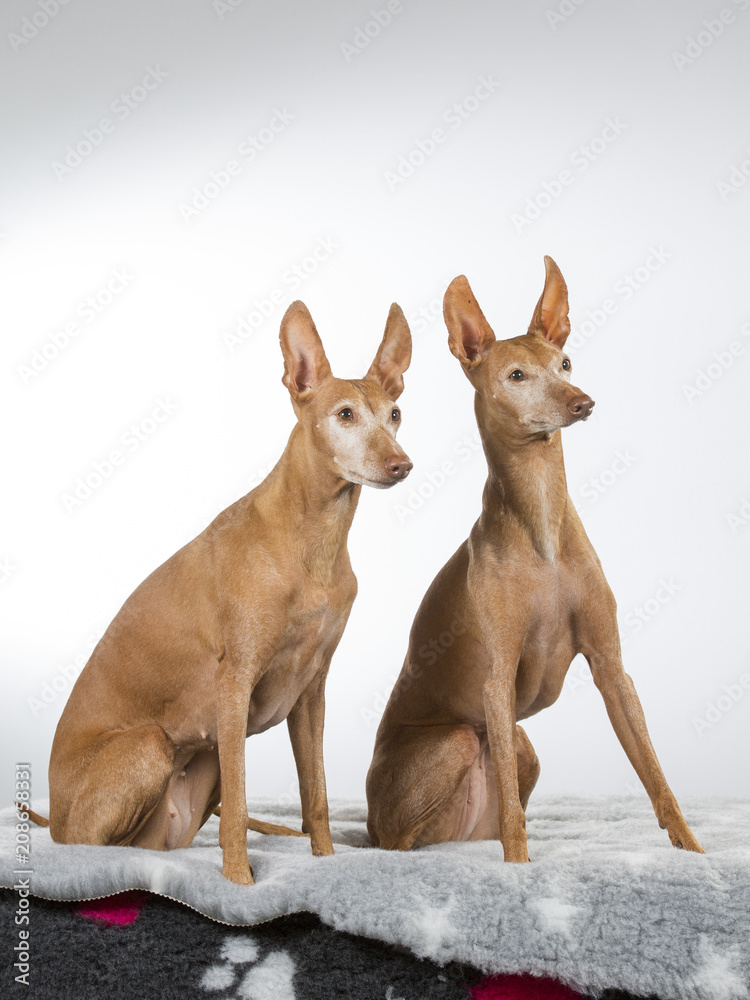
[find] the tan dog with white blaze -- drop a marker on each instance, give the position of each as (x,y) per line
(522,596)
(235,632)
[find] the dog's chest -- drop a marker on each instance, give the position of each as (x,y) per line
(549,642)
(307,639)
(544,663)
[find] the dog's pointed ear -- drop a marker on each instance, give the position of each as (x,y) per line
(550,319)
(470,336)
(394,353)
(305,361)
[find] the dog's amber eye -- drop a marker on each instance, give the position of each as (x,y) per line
(517,375)
(346,413)
(395,413)
(566,364)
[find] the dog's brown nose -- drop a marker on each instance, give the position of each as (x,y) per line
(398,466)
(581,406)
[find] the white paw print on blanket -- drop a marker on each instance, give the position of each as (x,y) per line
(270,979)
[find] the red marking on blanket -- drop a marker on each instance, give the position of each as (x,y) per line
(521,988)
(119,910)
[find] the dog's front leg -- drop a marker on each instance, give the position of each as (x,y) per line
(305,722)
(233,703)
(628,721)
(503,614)
(500,713)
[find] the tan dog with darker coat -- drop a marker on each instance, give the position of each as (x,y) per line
(521,597)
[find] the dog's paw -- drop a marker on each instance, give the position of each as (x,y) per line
(518,857)
(238,873)
(687,842)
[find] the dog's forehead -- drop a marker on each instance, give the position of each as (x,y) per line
(345,390)
(527,347)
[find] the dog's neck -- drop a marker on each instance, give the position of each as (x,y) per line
(526,484)
(310,504)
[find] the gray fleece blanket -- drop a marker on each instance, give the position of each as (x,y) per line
(606,901)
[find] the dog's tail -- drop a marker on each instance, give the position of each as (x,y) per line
(34,817)
(259,826)
(256,825)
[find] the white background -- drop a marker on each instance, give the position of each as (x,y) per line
(225,71)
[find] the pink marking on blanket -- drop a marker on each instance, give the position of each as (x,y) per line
(521,988)
(113,911)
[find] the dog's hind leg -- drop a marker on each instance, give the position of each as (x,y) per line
(482,777)
(414,787)
(528,766)
(106,794)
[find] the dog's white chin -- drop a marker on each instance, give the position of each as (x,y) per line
(540,428)
(377,484)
